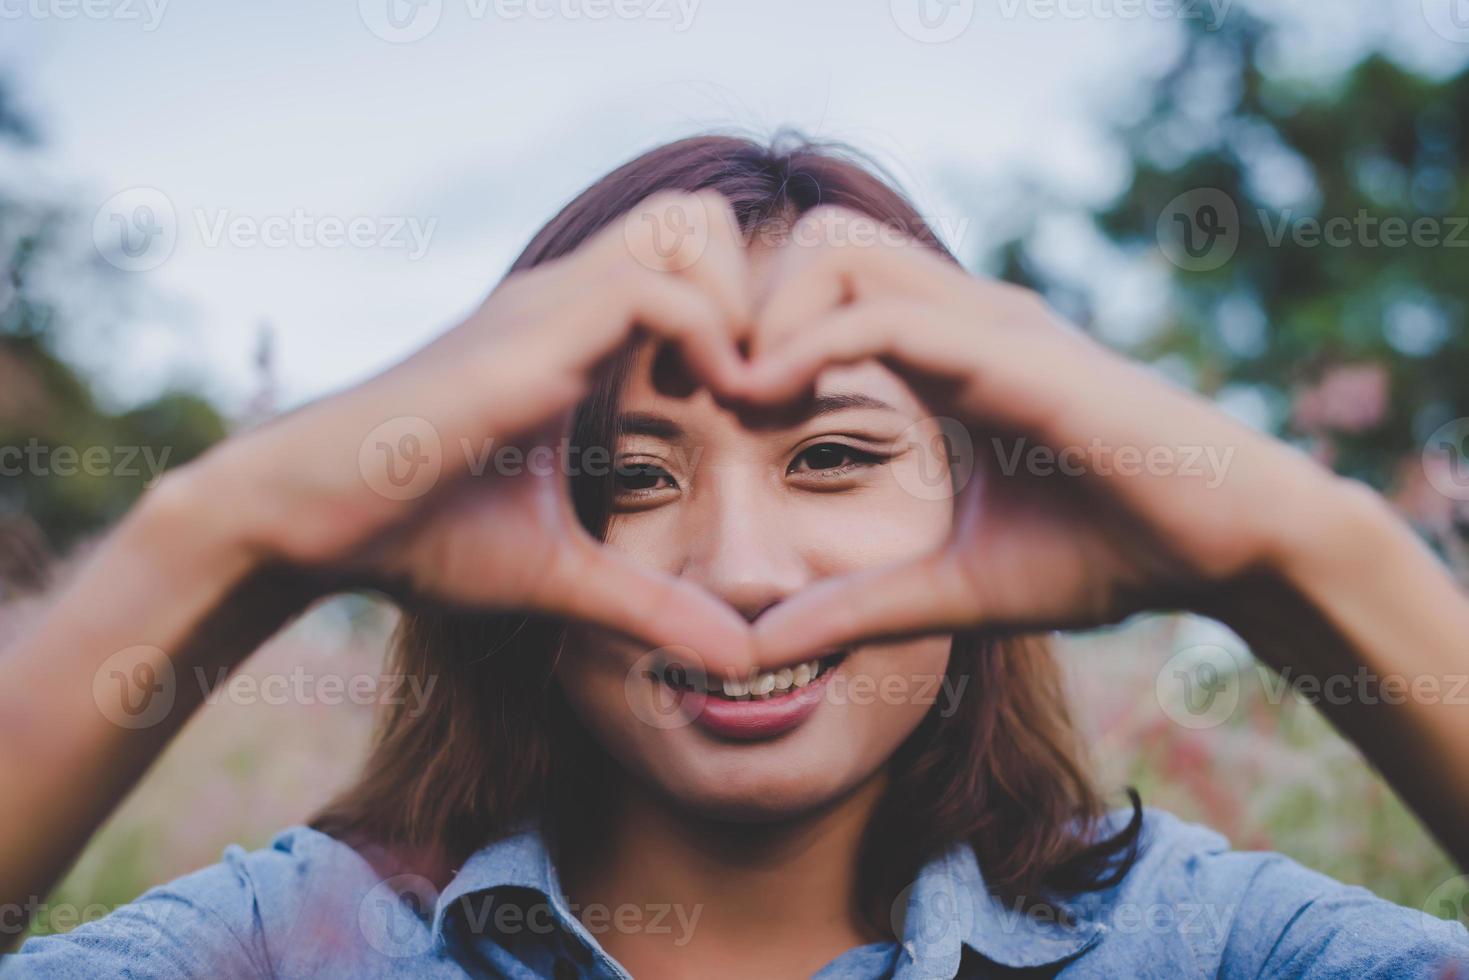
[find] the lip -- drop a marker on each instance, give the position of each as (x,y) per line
(748,721)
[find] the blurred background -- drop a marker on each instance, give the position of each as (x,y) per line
(210,213)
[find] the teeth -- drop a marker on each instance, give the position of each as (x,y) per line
(761,685)
(771,681)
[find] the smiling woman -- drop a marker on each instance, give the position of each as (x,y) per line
(769,693)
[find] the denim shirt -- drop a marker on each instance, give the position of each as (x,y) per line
(310,906)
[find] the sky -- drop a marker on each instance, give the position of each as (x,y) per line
(359,173)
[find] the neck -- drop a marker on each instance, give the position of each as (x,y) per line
(732,893)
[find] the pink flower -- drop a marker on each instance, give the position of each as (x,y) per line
(1348,398)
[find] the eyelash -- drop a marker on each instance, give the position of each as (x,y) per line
(856,459)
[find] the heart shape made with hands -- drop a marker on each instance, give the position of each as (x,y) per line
(1139,516)
(1029,549)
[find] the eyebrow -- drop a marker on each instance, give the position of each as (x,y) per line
(662,427)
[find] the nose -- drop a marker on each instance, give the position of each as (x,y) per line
(739,547)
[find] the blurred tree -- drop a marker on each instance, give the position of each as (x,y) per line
(51,492)
(1314,238)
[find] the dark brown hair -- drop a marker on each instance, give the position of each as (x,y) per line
(496,746)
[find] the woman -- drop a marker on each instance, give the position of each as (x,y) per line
(741,678)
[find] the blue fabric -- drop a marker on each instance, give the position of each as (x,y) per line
(309,906)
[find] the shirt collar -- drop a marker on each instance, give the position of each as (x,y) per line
(518,861)
(947,908)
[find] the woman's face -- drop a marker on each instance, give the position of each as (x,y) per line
(754,512)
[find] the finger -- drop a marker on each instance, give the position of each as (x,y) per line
(723,268)
(836,256)
(696,236)
(1017,378)
(592,585)
(682,313)
(928,594)
(915,335)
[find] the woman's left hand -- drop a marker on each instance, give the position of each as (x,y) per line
(1099,489)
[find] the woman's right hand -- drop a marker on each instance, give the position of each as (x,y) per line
(372,486)
(392,483)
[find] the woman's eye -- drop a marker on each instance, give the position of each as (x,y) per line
(640,478)
(832,457)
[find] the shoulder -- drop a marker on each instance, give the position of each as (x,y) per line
(1249,913)
(237,917)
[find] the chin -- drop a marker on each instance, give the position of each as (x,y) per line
(746,784)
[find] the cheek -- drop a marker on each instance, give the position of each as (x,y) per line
(879,525)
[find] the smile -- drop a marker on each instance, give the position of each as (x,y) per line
(769,704)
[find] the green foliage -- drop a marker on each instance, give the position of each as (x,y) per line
(68,465)
(1378,148)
